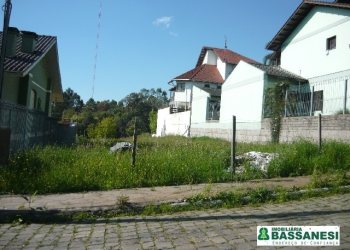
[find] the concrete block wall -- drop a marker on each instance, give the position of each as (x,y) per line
(226,134)
(335,127)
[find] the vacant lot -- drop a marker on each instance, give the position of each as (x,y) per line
(160,161)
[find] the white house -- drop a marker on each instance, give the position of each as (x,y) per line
(244,91)
(196,94)
(315,44)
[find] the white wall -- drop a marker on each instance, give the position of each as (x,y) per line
(199,105)
(172,124)
(304,52)
(221,68)
(184,96)
(242,95)
(210,58)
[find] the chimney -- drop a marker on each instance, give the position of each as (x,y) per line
(29,40)
(12,41)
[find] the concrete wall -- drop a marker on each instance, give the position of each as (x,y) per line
(304,52)
(242,94)
(172,124)
(184,96)
(221,68)
(199,105)
(335,127)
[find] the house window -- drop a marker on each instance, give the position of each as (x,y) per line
(180,87)
(207,85)
(331,43)
(218,87)
(318,101)
(213,109)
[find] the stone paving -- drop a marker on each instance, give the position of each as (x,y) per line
(210,229)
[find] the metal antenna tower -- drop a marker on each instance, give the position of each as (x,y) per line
(96,48)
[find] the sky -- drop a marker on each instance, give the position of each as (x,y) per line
(146,43)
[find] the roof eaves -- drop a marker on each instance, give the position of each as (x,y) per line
(277,71)
(302,10)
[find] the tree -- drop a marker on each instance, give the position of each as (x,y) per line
(106,128)
(153,121)
(72,100)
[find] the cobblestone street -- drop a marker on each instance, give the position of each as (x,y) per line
(211,229)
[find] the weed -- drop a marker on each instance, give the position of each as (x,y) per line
(122,201)
(336,179)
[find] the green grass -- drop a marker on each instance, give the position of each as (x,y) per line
(160,162)
(303,158)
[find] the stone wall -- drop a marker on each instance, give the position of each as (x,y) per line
(335,127)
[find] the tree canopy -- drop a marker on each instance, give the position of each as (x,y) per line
(109,118)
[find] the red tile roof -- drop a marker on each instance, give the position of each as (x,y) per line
(226,55)
(299,14)
(21,62)
(202,73)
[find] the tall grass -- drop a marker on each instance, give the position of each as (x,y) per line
(303,158)
(160,161)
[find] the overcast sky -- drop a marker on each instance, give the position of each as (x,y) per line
(145,43)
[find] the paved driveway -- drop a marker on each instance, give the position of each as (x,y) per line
(211,229)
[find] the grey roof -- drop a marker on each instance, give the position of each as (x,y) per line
(21,62)
(212,92)
(278,72)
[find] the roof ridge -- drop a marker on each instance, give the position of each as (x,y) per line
(265,67)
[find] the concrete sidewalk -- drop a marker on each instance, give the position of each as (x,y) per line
(103,200)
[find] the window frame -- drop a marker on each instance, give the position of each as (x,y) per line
(331,43)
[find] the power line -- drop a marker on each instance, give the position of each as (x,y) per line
(96,48)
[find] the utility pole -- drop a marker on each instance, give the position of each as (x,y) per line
(7,13)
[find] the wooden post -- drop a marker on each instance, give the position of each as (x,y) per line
(345,96)
(133,160)
(233,145)
(319,132)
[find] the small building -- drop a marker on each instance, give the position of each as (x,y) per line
(314,43)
